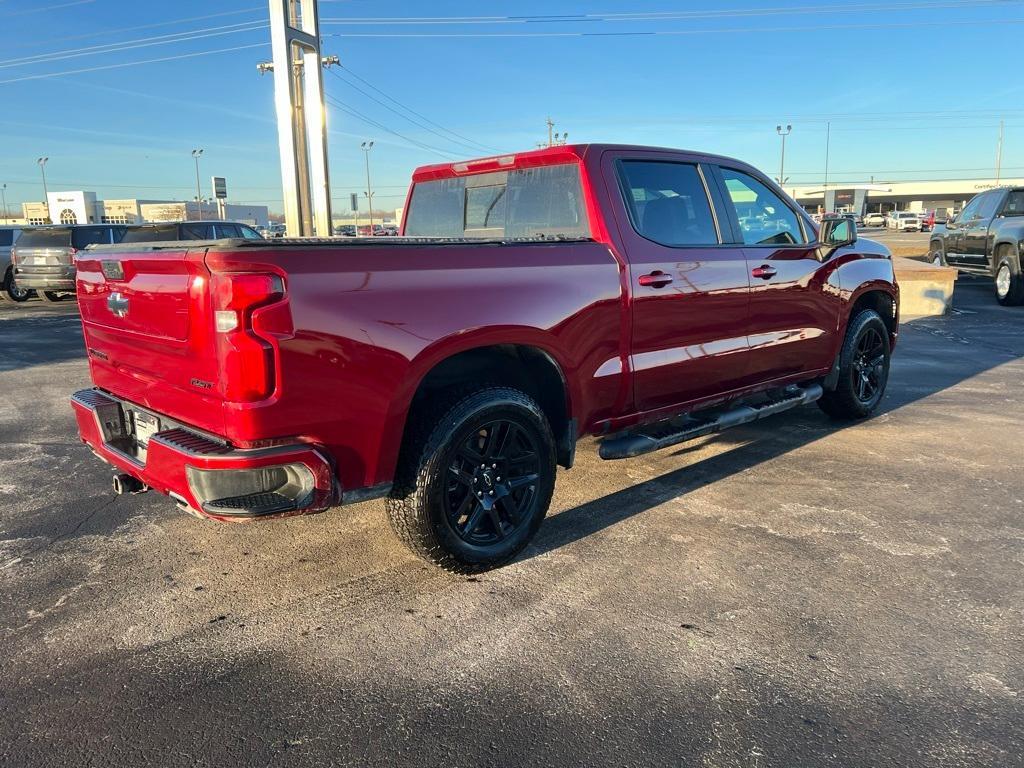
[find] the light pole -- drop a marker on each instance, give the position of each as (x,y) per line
(366,147)
(196,154)
(3,194)
(782,162)
(46,197)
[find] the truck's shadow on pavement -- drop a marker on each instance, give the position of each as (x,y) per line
(932,355)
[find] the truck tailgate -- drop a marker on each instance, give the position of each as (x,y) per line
(148,332)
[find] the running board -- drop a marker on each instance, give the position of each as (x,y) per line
(664,434)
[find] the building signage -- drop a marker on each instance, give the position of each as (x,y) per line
(220,187)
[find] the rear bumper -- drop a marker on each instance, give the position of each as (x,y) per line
(46,278)
(207,477)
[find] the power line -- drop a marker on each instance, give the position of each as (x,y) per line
(146,42)
(422,124)
(413,111)
(137,27)
(670,15)
(678,33)
(370,121)
(132,63)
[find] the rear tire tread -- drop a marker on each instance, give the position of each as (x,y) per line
(407,505)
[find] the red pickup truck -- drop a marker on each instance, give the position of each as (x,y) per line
(646,296)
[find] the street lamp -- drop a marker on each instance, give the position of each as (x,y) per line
(782,162)
(366,147)
(46,197)
(3,195)
(196,154)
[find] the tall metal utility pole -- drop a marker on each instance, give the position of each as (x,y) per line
(782,162)
(301,117)
(366,146)
(999,154)
(196,154)
(551,138)
(828,138)
(3,194)
(46,195)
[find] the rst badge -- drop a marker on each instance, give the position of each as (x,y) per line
(117,304)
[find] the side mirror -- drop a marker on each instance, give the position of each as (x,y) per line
(835,233)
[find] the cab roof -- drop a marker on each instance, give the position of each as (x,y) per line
(566,153)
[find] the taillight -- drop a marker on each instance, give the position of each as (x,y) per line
(246,359)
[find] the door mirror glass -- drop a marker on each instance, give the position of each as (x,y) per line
(836,233)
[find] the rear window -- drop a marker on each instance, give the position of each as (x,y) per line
(151,234)
(45,238)
(531,203)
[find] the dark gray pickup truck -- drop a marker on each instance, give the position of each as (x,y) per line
(987,238)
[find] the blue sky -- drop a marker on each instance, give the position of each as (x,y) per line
(913,90)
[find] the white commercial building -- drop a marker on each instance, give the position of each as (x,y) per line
(81,207)
(941,196)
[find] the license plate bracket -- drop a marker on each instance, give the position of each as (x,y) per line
(144,426)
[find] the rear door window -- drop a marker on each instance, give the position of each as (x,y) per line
(59,237)
(1014,203)
(228,230)
(668,203)
(6,237)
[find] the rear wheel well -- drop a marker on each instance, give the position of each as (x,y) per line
(528,369)
(998,253)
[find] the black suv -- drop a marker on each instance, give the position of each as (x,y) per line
(43,258)
(189,230)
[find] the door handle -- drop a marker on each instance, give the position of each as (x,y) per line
(657,279)
(765,272)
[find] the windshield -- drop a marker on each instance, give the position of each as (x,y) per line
(151,234)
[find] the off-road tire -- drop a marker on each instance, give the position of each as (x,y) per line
(50,297)
(435,434)
(844,402)
(1009,283)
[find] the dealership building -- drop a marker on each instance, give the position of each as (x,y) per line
(81,207)
(943,197)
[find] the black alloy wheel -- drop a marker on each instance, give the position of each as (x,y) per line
(474,479)
(492,483)
(869,370)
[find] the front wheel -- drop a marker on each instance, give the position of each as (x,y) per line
(937,254)
(51,297)
(863,369)
(474,485)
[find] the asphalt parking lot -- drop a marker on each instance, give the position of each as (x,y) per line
(786,594)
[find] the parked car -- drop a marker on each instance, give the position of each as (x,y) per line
(874,219)
(987,238)
(927,219)
(345,230)
(43,258)
(904,221)
(645,296)
(189,230)
(9,288)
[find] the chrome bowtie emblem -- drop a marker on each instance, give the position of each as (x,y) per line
(117,304)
